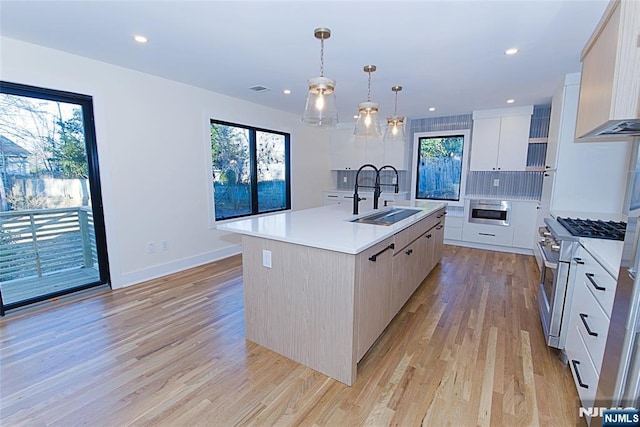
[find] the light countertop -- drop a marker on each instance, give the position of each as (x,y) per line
(606,252)
(328,227)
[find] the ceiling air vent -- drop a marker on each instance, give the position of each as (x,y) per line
(259,88)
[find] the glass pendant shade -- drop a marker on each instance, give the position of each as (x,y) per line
(368,123)
(321,103)
(395,129)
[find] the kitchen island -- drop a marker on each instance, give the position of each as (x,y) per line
(320,289)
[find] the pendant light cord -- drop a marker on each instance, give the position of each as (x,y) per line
(322,57)
(369,88)
(395,107)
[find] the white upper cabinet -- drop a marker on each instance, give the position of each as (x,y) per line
(349,152)
(610,87)
(500,139)
(563,117)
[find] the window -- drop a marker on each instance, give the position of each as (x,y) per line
(440,170)
(251,173)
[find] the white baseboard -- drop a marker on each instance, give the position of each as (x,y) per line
(146,274)
(474,245)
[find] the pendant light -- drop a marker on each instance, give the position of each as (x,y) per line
(368,123)
(321,101)
(395,123)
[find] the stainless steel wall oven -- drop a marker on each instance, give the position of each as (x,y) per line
(495,212)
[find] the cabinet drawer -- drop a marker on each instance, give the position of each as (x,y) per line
(590,320)
(584,373)
(488,234)
(597,279)
(408,235)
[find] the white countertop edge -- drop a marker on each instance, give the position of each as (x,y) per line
(607,252)
(339,215)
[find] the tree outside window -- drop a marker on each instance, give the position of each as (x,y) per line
(250,170)
(439,169)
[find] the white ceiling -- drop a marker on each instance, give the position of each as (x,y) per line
(447,54)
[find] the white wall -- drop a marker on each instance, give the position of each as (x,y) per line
(153,154)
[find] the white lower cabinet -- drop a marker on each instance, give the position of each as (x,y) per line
(588,323)
(487,234)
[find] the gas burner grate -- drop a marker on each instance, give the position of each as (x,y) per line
(597,229)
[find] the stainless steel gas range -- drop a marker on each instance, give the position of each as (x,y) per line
(558,244)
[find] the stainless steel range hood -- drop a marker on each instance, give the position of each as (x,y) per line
(623,128)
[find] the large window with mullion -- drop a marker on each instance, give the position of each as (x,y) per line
(251,170)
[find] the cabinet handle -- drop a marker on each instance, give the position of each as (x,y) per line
(441,215)
(593,282)
(487,234)
(330,195)
(546,174)
(439,227)
(583,317)
(575,364)
(579,261)
(428,236)
(409,252)
(375,256)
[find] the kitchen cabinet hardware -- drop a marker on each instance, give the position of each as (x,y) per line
(583,317)
(409,252)
(578,261)
(487,234)
(332,196)
(439,227)
(593,282)
(575,364)
(546,174)
(375,256)
(428,236)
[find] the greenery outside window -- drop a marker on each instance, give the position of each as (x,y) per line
(251,170)
(440,171)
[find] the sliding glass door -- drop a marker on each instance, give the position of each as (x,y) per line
(52,239)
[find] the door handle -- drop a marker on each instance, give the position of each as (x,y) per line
(575,364)
(593,282)
(583,317)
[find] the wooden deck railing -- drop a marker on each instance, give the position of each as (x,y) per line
(36,242)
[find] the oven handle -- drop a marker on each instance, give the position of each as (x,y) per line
(547,263)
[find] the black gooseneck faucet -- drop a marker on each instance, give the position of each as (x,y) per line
(376,188)
(395,186)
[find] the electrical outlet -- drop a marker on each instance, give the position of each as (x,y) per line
(165,245)
(266,258)
(395,180)
(151,247)
(345,180)
(496,182)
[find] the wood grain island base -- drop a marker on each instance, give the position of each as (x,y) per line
(325,308)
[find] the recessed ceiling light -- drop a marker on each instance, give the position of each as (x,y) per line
(510,101)
(140,39)
(286,91)
(511,51)
(432,108)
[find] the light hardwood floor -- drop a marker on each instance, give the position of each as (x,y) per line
(467,349)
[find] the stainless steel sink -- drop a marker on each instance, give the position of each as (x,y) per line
(386,217)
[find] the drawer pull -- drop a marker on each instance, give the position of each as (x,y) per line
(331,195)
(439,227)
(575,364)
(583,317)
(409,252)
(375,256)
(579,261)
(487,234)
(593,282)
(428,236)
